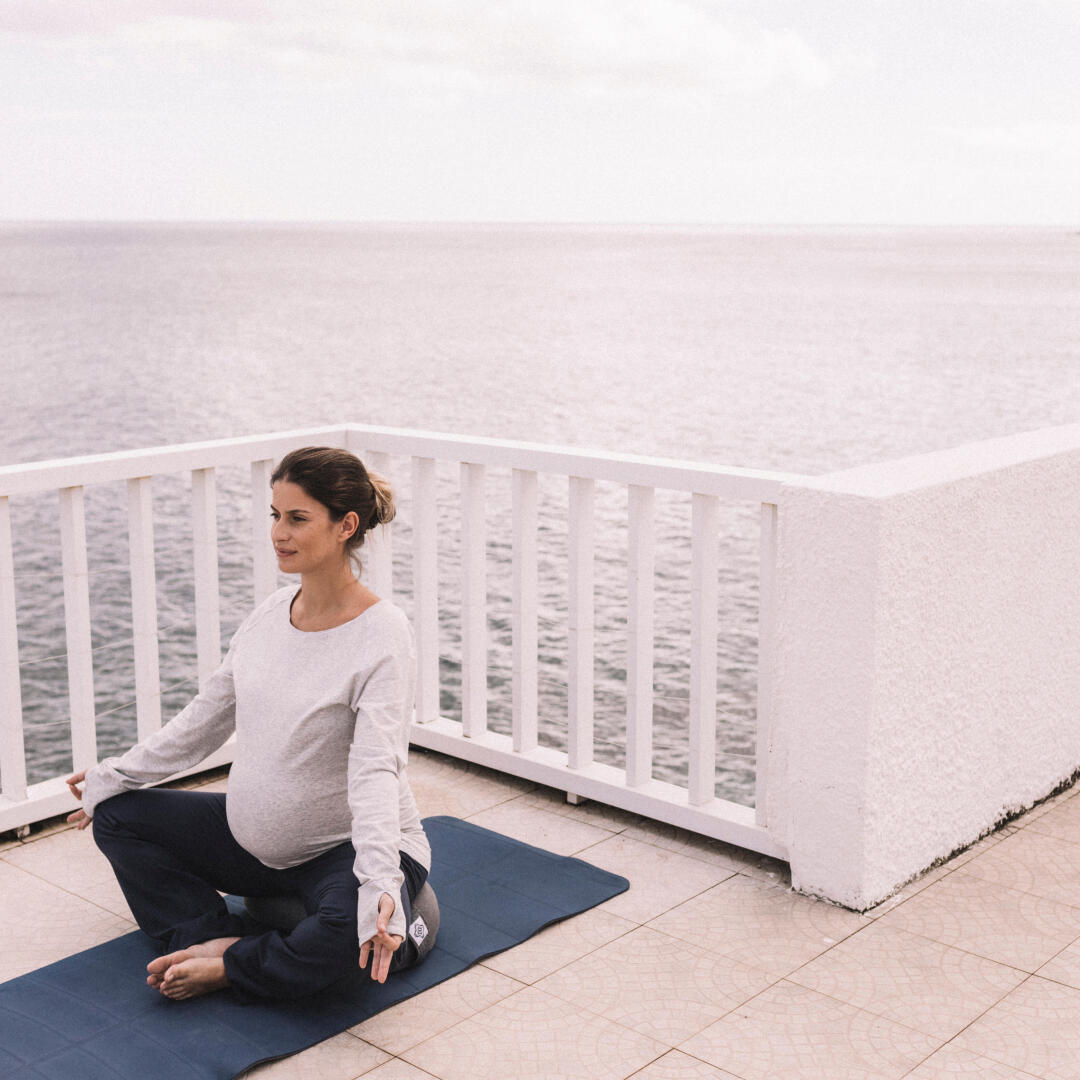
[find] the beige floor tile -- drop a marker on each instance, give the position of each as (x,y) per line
(71,860)
(203,779)
(396,1069)
(1033,862)
(592,813)
(418,1018)
(675,1065)
(533,1036)
(714,851)
(765,926)
(656,985)
(952,1063)
(559,945)
(1061,820)
(659,879)
(962,858)
(43,923)
(1051,803)
(789,1031)
(912,888)
(541,828)
(40,830)
(342,1057)
(970,913)
(1065,967)
(1035,1029)
(430,766)
(910,979)
(457,795)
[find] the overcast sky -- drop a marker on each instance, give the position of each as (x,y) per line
(711,111)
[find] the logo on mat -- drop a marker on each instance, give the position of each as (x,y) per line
(418,930)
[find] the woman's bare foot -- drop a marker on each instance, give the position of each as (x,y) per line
(194,977)
(214,948)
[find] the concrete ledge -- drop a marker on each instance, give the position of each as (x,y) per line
(927,648)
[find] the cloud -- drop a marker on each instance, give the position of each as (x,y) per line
(96,18)
(1040,137)
(603,46)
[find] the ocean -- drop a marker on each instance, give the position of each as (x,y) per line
(803,350)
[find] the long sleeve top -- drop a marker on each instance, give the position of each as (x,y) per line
(322,739)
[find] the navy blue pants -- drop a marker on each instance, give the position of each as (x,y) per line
(172,852)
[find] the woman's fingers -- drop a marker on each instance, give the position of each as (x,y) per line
(384,956)
(380,949)
(383,945)
(79,818)
(72,781)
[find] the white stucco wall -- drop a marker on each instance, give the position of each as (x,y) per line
(927,673)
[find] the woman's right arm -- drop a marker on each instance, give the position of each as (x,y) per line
(183,742)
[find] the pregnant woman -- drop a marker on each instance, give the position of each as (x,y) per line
(318,686)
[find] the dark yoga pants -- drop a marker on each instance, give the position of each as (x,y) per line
(172,851)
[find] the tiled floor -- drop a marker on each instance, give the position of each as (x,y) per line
(709,967)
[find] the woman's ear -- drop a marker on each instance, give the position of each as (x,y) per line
(349,524)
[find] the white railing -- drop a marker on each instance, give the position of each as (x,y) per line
(575,769)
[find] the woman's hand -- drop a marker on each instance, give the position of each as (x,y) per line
(80,818)
(383,944)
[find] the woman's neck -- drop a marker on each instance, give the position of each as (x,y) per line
(326,600)
(327,592)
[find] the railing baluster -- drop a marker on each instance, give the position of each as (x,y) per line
(263,561)
(473,602)
(12,751)
(703,630)
(766,657)
(639,645)
(581,620)
(520,753)
(425,526)
(80,661)
(207,598)
(144,621)
(378,555)
(523,602)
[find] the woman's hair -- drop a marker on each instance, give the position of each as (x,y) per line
(340,482)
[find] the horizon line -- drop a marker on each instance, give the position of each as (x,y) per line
(535,223)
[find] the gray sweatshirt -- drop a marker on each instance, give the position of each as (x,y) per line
(322,737)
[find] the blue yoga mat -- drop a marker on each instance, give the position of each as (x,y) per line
(92,1016)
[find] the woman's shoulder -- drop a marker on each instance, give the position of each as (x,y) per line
(385,627)
(389,616)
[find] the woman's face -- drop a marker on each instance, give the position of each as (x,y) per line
(305,539)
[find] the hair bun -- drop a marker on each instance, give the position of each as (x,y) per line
(383,510)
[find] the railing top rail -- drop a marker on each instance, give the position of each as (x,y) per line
(707,479)
(722,480)
(181,457)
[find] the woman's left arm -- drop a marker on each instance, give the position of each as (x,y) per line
(376,759)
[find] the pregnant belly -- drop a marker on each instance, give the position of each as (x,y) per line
(284,825)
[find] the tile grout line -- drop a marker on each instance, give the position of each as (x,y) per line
(595,949)
(465,1019)
(68,892)
(442,1031)
(645,926)
(974,1021)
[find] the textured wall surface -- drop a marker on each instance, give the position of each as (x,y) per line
(927,676)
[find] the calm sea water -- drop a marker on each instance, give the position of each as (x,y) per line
(802,351)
